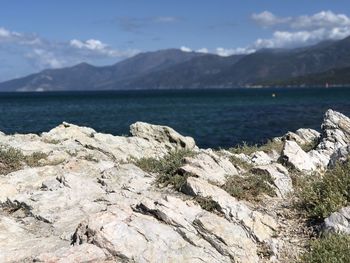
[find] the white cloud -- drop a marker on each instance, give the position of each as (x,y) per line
(267,19)
(323,19)
(45,59)
(302,30)
(225,52)
(185,49)
(202,50)
(165,19)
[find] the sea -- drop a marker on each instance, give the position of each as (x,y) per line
(219,118)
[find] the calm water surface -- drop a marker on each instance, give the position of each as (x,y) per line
(215,118)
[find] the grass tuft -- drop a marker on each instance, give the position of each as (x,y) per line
(249,186)
(249,149)
(329,249)
(12,160)
(167,168)
(320,196)
(207,203)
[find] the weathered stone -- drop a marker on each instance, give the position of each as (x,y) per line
(163,134)
(258,225)
(79,253)
(280,177)
(209,166)
(293,155)
(338,222)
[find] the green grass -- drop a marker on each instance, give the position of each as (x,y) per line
(240,163)
(329,249)
(207,203)
(249,149)
(249,186)
(12,160)
(319,196)
(167,168)
(309,146)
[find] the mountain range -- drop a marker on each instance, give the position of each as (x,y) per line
(328,61)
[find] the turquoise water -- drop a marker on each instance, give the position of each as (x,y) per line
(215,118)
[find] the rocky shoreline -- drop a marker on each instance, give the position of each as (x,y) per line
(75,195)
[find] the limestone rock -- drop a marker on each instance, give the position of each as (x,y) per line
(162,134)
(338,222)
(258,225)
(209,166)
(280,177)
(293,155)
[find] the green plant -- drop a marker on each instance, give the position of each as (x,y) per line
(240,163)
(10,160)
(34,159)
(329,249)
(319,196)
(207,203)
(309,146)
(167,167)
(269,146)
(249,186)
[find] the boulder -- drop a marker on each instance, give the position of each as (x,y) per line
(162,134)
(260,226)
(294,156)
(280,176)
(338,222)
(209,166)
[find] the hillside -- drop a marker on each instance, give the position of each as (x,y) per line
(174,69)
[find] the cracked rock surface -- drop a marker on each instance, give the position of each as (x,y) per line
(88,201)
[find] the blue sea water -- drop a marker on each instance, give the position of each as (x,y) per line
(215,118)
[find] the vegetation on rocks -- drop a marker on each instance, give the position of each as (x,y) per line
(269,146)
(322,195)
(207,203)
(249,186)
(12,160)
(309,146)
(329,249)
(167,167)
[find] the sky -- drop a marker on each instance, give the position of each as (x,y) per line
(42,34)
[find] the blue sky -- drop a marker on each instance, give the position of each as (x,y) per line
(39,34)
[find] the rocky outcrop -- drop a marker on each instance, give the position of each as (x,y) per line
(338,222)
(294,156)
(86,200)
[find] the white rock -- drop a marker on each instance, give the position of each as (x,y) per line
(293,155)
(338,222)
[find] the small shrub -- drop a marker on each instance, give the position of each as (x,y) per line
(167,168)
(329,249)
(207,203)
(10,160)
(321,195)
(34,159)
(240,163)
(249,186)
(309,146)
(268,147)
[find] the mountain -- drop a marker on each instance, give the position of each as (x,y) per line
(332,77)
(174,68)
(87,77)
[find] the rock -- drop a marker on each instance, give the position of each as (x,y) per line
(338,222)
(302,136)
(257,225)
(209,166)
(80,253)
(280,177)
(340,155)
(133,236)
(261,158)
(293,155)
(162,134)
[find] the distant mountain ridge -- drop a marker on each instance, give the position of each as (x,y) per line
(175,69)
